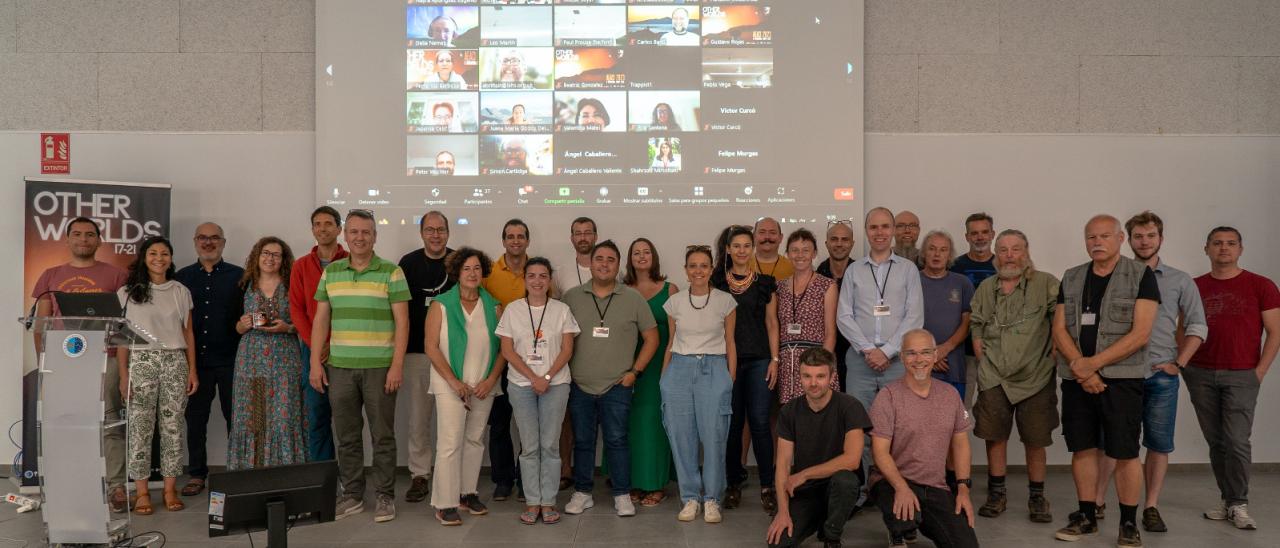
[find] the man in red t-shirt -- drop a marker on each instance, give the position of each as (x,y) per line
(1227,371)
(85,274)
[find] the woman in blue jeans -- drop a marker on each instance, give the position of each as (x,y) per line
(756,342)
(537,341)
(697,383)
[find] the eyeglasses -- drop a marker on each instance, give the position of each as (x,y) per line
(209,239)
(926,353)
(431,230)
(848,222)
(908,225)
(584,233)
(272,255)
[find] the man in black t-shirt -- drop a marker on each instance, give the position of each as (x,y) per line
(820,438)
(424,271)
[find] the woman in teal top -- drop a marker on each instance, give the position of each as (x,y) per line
(650,451)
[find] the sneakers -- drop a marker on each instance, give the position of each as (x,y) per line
(347,506)
(1077,527)
(448,517)
(385,510)
(1217,513)
(579,503)
(689,511)
(769,500)
(996,503)
(1129,536)
(623,505)
(732,497)
(831,544)
(473,505)
(502,492)
(897,541)
(1152,522)
(418,490)
(711,512)
(1039,508)
(1239,516)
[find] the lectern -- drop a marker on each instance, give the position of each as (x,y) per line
(70,422)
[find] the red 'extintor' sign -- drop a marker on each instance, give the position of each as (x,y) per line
(55,153)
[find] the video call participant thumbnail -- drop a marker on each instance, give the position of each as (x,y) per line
(515,155)
(590,25)
(443,26)
(590,111)
(663,26)
(516,68)
(589,68)
(737,68)
(519,26)
(442,112)
(442,69)
(663,111)
(662,68)
(736,26)
(516,112)
(442,155)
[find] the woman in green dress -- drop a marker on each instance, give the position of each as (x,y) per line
(650,451)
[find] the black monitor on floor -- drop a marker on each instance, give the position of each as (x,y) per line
(247,500)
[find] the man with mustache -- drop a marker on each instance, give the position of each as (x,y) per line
(839,244)
(1167,354)
(1011,326)
(1101,324)
(918,421)
(768,235)
(905,234)
(1227,370)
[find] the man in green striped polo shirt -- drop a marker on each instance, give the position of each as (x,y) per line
(362,328)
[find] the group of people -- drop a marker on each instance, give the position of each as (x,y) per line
(848,379)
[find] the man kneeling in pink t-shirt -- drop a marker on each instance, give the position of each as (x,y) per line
(915,422)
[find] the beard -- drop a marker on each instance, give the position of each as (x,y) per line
(1148,256)
(920,374)
(583,248)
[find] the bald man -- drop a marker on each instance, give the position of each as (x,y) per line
(839,244)
(906,232)
(215,291)
(1106,308)
(768,235)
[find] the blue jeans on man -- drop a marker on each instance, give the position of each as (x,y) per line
(610,412)
(318,414)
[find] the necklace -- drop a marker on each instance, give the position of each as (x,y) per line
(736,286)
(704,303)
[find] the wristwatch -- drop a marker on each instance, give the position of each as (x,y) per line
(547,376)
(967,482)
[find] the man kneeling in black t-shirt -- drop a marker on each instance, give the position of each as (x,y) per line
(820,438)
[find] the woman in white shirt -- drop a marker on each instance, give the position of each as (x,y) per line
(697,386)
(157,379)
(537,341)
(444,76)
(466,364)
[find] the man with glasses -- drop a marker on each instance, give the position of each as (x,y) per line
(905,234)
(1011,324)
(218,302)
(424,271)
(506,284)
(582,235)
(514,154)
(839,244)
(917,423)
(362,303)
(1101,324)
(326,223)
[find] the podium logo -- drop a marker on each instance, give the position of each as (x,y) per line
(74,345)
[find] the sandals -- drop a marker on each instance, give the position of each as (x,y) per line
(550,515)
(142,505)
(529,517)
(636,495)
(175,504)
(653,498)
(193,487)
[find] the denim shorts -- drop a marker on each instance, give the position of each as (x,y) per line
(1159,411)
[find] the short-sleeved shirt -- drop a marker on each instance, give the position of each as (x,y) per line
(750,335)
(819,435)
(919,429)
(427,279)
(520,322)
(1233,309)
(699,322)
(504,284)
(164,316)
(64,278)
(219,302)
(1095,287)
(599,362)
(779,270)
(362,329)
(946,300)
(976,271)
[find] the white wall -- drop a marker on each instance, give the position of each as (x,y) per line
(256,184)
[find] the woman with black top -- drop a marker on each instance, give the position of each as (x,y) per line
(756,341)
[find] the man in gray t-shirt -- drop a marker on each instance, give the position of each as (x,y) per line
(605,365)
(946,307)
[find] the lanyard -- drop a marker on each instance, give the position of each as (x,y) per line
(596,302)
(877,280)
(537,329)
(795,301)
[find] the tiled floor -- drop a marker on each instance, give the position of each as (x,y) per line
(1185,495)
